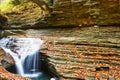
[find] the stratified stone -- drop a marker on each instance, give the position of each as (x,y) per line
(67,13)
(81,53)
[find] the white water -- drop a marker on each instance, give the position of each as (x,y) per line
(25,52)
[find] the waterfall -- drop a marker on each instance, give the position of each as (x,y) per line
(25,52)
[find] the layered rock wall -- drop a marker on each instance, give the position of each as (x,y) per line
(88,12)
(68,13)
(89,53)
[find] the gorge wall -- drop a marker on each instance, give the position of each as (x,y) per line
(66,13)
(85,12)
(87,53)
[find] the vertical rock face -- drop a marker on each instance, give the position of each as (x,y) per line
(70,13)
(88,12)
(89,53)
(110,13)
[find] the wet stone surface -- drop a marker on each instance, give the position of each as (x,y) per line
(89,53)
(81,53)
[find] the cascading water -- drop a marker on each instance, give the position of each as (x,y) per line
(25,52)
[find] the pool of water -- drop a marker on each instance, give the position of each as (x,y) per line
(41,77)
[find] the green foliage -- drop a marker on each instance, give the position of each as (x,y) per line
(6,5)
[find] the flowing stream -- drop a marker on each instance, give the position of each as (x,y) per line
(25,52)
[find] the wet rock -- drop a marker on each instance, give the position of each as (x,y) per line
(5,61)
(13,32)
(80,53)
(3,21)
(89,53)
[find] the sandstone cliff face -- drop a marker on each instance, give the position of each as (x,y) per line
(90,53)
(85,12)
(103,12)
(68,13)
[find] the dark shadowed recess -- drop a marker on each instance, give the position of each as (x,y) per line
(43,67)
